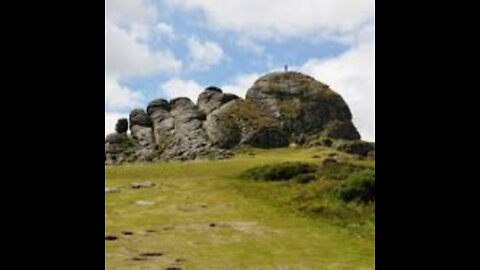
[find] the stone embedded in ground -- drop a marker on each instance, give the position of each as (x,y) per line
(151,254)
(147,184)
(145,203)
(139,259)
(150,231)
(180,260)
(213,225)
(111,238)
(127,233)
(111,190)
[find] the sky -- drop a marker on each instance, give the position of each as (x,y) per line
(172,48)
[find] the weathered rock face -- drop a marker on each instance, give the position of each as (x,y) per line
(303,105)
(118,148)
(242,122)
(142,132)
(188,139)
(280,108)
(212,99)
(162,121)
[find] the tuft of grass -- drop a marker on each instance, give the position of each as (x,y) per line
(359,186)
(339,170)
(305,178)
(279,172)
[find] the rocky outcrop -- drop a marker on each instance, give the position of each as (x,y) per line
(303,105)
(280,108)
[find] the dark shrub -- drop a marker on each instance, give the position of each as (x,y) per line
(277,172)
(305,178)
(359,186)
(357,147)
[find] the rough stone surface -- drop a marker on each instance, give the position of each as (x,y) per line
(141,129)
(118,148)
(242,122)
(121,126)
(280,108)
(213,98)
(303,105)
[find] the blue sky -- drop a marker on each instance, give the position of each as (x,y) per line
(170,48)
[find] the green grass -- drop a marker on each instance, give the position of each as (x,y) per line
(259,225)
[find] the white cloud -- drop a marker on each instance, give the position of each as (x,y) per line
(240,84)
(204,54)
(111,119)
(181,88)
(164,29)
(126,56)
(283,18)
(352,75)
(129,11)
(249,45)
(118,97)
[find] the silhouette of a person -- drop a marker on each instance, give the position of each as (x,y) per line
(286,68)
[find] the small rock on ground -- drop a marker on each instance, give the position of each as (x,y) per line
(147,184)
(111,190)
(145,203)
(110,238)
(151,254)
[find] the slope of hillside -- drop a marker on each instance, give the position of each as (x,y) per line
(203,215)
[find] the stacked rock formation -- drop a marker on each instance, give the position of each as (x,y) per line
(280,108)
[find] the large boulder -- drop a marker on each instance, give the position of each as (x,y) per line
(158,104)
(184,110)
(213,98)
(303,105)
(139,117)
(121,126)
(141,129)
(162,121)
(243,122)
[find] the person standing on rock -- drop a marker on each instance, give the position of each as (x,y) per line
(286,68)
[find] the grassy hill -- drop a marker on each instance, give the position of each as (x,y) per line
(205,215)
